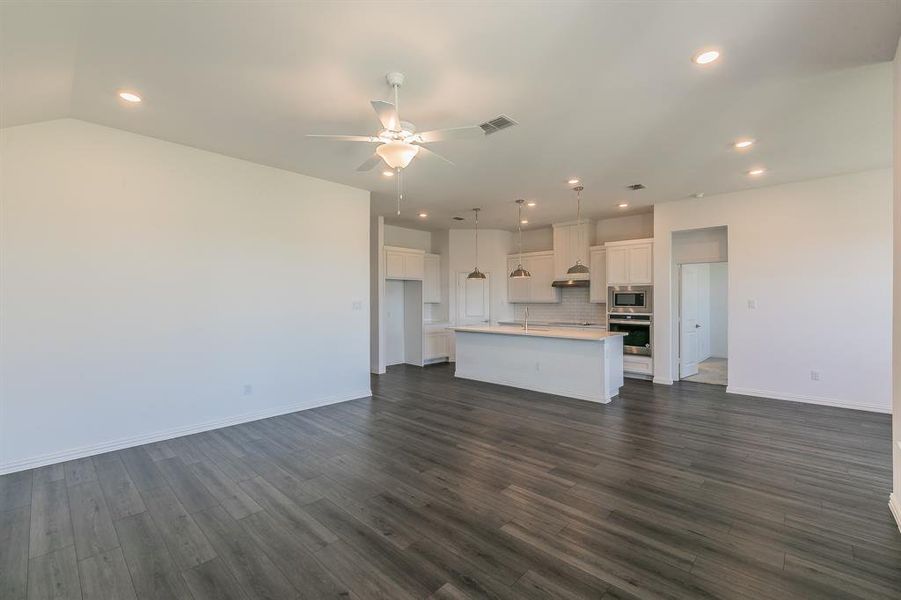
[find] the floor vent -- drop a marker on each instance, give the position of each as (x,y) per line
(496,124)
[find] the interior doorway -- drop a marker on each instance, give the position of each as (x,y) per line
(703,322)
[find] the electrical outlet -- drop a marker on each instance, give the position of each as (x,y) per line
(752,304)
(248,389)
(814,375)
(537,366)
(358,305)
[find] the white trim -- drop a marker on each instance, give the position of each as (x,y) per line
(663,381)
(894,505)
(158,436)
(807,399)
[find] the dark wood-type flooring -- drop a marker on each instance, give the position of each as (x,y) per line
(442,488)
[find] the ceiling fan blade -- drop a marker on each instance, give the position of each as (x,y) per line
(346,138)
(454,133)
(369,163)
(431,153)
(387,114)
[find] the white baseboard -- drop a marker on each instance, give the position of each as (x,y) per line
(663,381)
(807,399)
(894,504)
(158,436)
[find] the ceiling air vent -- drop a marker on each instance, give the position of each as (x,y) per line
(496,124)
(636,186)
(459,219)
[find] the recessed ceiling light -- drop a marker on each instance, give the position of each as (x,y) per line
(705,57)
(532,203)
(423,215)
(573,181)
(130,97)
(388,173)
(525,221)
(743,144)
(755,172)
(623,204)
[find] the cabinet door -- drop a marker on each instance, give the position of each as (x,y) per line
(436,345)
(617,266)
(517,289)
(542,270)
(641,264)
(394,264)
(431,281)
(414,266)
(597,291)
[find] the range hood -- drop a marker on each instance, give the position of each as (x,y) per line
(571,283)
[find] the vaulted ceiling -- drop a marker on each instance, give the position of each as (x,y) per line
(604,91)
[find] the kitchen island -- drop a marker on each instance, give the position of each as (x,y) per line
(579,363)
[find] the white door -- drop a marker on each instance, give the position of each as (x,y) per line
(394,322)
(689,307)
(473,300)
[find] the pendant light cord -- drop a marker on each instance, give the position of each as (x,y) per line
(520,231)
(477,237)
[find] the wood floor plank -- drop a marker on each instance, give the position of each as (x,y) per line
(141,468)
(212,581)
(225,490)
(105,576)
(51,523)
(154,574)
(246,561)
(91,520)
(192,494)
(15,489)
(185,540)
(54,575)
(122,497)
(311,579)
(15,525)
(80,471)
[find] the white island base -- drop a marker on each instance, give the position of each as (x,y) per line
(582,364)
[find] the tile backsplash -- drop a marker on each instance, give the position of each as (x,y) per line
(574,306)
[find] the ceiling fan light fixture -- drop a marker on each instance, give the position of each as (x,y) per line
(397,154)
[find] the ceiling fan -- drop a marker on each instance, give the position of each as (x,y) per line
(398,141)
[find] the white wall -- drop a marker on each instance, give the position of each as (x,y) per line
(700,246)
(408,238)
(719,293)
(633,227)
(145,283)
(798,250)
(896,327)
(494,245)
(377,338)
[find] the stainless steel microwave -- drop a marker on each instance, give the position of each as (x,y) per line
(630,299)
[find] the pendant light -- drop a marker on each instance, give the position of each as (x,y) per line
(476,274)
(578,268)
(519,272)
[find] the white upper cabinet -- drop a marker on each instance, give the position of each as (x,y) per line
(571,243)
(431,281)
(537,288)
(404,263)
(630,262)
(597,292)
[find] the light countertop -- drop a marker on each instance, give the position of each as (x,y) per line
(566,333)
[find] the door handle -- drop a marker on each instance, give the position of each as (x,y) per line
(697,326)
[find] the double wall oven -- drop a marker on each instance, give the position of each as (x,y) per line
(630,311)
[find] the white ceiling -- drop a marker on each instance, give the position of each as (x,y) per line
(603,91)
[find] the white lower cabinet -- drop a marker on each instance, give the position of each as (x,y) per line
(638,365)
(437,345)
